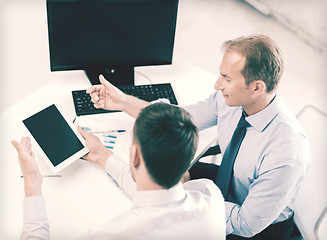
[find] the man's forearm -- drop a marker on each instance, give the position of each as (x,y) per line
(32,186)
(133,106)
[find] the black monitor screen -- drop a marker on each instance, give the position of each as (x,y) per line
(94,34)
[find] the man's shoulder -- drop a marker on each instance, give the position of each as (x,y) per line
(286,123)
(201,210)
(198,184)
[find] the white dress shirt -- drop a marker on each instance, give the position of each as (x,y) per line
(270,165)
(194,210)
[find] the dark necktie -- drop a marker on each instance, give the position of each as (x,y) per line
(226,168)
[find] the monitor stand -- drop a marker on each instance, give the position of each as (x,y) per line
(118,76)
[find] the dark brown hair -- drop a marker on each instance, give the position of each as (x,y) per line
(264,60)
(168,140)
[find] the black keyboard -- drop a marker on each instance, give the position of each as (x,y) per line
(84,105)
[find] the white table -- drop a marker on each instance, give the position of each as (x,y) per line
(84,193)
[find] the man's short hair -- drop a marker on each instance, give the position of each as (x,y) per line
(168,140)
(264,60)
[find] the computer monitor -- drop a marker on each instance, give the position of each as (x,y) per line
(110,37)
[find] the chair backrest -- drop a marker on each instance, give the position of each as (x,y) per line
(312,196)
(321,226)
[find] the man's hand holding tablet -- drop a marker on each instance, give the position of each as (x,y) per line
(55,138)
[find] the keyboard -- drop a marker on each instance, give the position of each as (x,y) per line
(84,105)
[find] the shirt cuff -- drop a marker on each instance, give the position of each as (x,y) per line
(34,209)
(161,100)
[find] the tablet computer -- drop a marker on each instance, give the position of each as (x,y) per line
(54,136)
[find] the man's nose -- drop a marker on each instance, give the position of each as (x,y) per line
(218,83)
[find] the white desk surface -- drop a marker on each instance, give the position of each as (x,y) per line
(84,194)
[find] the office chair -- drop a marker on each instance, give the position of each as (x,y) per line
(321,226)
(311,203)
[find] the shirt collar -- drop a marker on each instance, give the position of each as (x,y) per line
(262,119)
(159,197)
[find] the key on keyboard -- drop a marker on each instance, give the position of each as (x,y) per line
(84,106)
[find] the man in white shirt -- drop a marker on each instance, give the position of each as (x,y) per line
(164,142)
(274,155)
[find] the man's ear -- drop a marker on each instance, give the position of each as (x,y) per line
(259,87)
(135,155)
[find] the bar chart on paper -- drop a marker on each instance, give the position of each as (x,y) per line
(114,130)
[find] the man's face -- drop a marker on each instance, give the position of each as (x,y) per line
(231,82)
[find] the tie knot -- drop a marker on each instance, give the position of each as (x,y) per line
(243,123)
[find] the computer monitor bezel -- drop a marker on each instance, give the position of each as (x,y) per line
(122,73)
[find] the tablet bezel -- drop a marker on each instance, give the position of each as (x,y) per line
(67,161)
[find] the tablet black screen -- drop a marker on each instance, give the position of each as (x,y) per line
(53,134)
